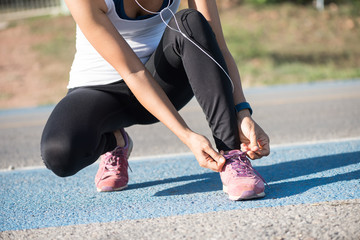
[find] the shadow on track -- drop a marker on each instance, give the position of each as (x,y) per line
(208,182)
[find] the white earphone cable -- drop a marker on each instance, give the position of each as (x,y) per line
(185,36)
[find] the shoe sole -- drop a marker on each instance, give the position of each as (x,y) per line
(110,189)
(237,198)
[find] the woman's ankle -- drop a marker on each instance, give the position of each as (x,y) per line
(120,141)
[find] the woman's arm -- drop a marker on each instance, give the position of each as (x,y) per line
(91,17)
(253,138)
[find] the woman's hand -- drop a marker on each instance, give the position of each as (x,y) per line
(204,152)
(253,138)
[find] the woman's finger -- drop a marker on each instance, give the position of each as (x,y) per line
(252,155)
(214,160)
(217,157)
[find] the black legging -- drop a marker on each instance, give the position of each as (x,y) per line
(81,126)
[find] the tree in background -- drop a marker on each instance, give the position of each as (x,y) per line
(292,1)
(355,4)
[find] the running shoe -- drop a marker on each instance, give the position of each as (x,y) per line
(240,180)
(113,168)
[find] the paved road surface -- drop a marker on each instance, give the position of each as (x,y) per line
(313,192)
(289,114)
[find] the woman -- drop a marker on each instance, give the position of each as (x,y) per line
(138,63)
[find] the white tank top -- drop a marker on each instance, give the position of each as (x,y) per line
(89,68)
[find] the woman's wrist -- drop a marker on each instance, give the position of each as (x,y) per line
(184,135)
(243,106)
(243,114)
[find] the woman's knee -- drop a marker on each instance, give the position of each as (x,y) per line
(189,12)
(194,25)
(191,18)
(57,157)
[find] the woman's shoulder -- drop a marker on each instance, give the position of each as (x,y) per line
(105,5)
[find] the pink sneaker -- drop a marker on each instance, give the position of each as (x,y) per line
(240,180)
(113,168)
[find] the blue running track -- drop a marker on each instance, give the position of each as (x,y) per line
(176,185)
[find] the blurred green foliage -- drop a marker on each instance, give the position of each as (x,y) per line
(354,4)
(299,1)
(287,43)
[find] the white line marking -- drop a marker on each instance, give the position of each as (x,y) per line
(306,143)
(189,154)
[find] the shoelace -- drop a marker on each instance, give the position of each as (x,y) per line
(241,164)
(113,157)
